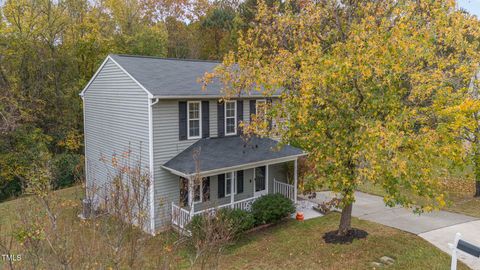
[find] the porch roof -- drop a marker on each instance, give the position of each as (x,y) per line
(217,155)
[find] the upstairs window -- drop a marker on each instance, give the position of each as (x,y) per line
(230,117)
(193,121)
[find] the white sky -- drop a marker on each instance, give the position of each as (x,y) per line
(472,6)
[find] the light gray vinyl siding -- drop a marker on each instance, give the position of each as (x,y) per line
(166,145)
(215,201)
(246,110)
(116,120)
(278,172)
(213,118)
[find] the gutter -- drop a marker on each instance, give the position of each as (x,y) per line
(235,168)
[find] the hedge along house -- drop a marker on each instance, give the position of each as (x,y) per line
(155,108)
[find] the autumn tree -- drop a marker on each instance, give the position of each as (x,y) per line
(362,84)
(464,122)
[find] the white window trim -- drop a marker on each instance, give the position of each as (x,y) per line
(233,182)
(200,120)
(235,117)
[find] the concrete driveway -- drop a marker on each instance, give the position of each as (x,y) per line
(439,228)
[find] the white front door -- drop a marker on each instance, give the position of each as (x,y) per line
(259,175)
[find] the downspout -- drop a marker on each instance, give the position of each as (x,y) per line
(150,152)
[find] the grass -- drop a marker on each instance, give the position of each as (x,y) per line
(299,245)
(290,245)
(459,196)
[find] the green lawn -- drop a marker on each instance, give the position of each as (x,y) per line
(299,245)
(290,245)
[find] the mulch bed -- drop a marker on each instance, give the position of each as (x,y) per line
(332,237)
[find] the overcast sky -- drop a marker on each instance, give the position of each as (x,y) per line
(473,6)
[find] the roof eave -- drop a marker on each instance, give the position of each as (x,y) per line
(236,167)
(213,96)
(150,95)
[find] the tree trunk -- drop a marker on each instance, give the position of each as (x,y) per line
(476,169)
(345,220)
(477,188)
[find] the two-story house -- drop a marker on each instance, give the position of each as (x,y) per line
(155,108)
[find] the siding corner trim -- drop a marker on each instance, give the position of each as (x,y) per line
(151,169)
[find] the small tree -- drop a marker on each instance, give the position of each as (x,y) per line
(125,201)
(361,83)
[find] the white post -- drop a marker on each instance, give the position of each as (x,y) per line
(266,177)
(190,195)
(453,247)
(295,171)
(232,182)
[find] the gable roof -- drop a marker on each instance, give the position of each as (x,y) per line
(169,78)
(230,153)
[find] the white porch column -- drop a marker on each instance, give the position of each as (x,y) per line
(266,177)
(295,171)
(232,182)
(190,195)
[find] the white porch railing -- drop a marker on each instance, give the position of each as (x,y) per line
(181,217)
(284,189)
(245,204)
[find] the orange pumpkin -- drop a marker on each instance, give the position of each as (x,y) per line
(299,216)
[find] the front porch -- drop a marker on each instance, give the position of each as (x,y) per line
(231,172)
(181,216)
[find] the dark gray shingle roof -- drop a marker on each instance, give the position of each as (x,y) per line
(218,153)
(164,77)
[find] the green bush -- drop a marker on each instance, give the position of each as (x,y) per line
(226,222)
(272,208)
(66,169)
(240,220)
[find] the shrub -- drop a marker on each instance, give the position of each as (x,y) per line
(272,208)
(235,221)
(65,169)
(240,220)
(211,233)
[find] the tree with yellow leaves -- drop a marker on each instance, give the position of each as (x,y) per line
(464,121)
(361,84)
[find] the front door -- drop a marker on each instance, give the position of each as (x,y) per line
(260,181)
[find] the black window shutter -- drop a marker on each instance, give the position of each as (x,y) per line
(221,119)
(253,107)
(221,185)
(182,120)
(269,105)
(206,189)
(205,119)
(239,115)
(239,182)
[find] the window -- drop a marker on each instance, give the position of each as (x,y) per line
(193,121)
(197,195)
(230,117)
(201,190)
(229,180)
(261,108)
